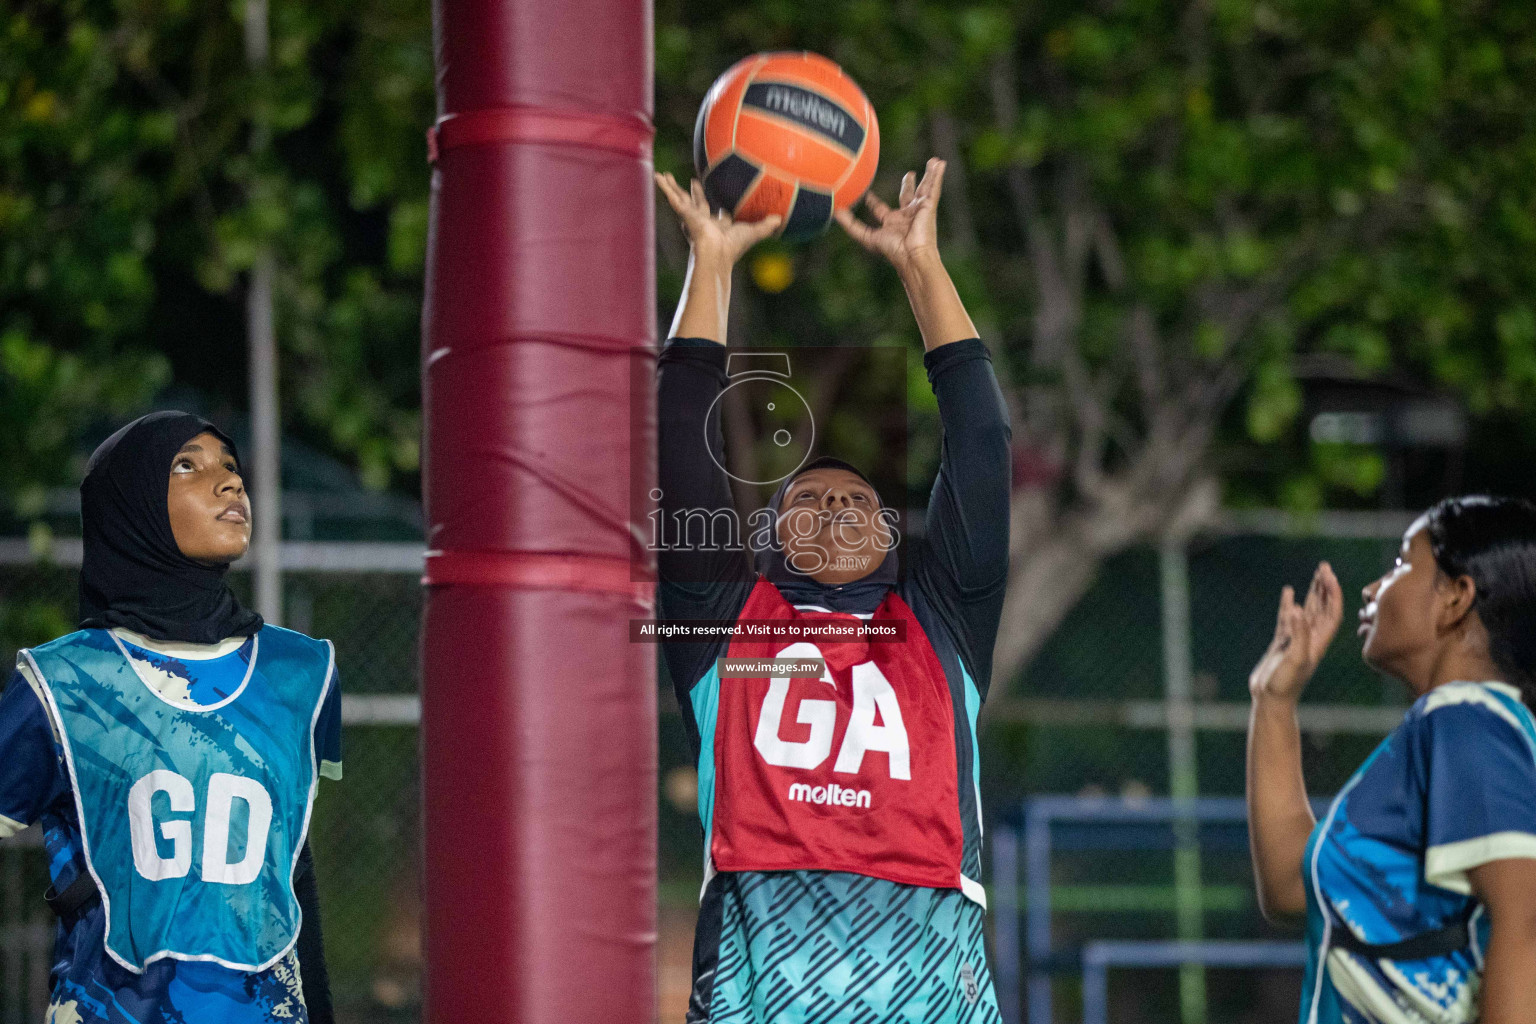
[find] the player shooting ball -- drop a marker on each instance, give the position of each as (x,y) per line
(841,815)
(170,750)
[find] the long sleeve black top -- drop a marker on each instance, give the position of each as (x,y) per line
(960,565)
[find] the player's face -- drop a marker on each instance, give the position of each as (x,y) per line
(1398,620)
(831,526)
(210,517)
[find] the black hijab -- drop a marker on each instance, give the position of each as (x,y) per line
(863,595)
(132,574)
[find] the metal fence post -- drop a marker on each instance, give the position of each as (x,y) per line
(266,430)
(1095,988)
(1005,890)
(1037,890)
(1183,777)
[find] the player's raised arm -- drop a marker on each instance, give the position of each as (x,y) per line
(715,243)
(907,235)
(967,522)
(1279,814)
(701,577)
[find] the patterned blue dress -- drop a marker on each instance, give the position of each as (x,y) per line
(1452,788)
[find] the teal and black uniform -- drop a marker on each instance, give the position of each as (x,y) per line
(852,944)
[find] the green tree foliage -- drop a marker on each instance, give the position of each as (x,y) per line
(131,206)
(76,224)
(1156,209)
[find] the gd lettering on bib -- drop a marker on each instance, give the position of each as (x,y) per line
(191,817)
(854,771)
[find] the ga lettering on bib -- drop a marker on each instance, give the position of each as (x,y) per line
(854,771)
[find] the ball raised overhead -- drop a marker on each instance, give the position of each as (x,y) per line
(786,133)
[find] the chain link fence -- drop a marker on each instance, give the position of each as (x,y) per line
(1086,717)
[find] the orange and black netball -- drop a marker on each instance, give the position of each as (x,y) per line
(788,134)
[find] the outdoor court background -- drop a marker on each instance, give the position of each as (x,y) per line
(1045,732)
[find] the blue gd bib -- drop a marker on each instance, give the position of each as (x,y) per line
(191,818)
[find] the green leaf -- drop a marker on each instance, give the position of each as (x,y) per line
(1274,402)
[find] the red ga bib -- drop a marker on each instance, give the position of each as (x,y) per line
(851,772)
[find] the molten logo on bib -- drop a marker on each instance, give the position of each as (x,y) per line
(832,794)
(852,770)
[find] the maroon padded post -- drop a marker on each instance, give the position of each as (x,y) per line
(538,715)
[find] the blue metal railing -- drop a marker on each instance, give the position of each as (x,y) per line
(1098,957)
(1055,823)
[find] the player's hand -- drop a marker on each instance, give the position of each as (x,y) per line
(713,235)
(1302,634)
(908,232)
